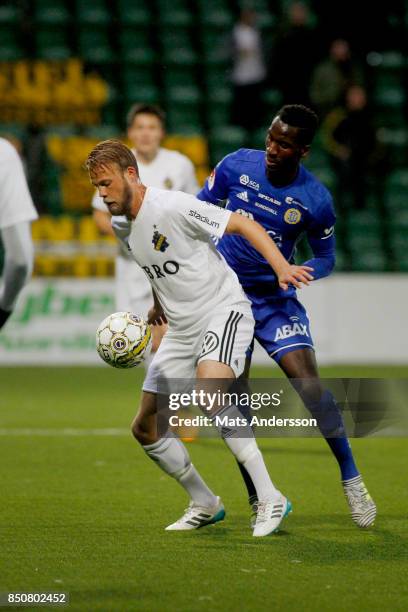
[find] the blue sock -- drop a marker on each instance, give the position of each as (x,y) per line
(330,422)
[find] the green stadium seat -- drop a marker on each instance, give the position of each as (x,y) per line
(364,231)
(216,17)
(369,260)
(102,132)
(9,14)
(52,43)
(93,13)
(186,121)
(138,56)
(215,49)
(272,99)
(175,38)
(326,176)
(94,47)
(179,76)
(181,56)
(51,12)
(132,14)
(218,104)
(132,42)
(390,98)
(225,139)
(396,192)
(10,48)
(140,92)
(175,18)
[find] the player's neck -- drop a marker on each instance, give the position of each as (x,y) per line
(147,158)
(138,197)
(281,179)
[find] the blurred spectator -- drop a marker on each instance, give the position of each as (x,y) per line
(295,54)
(248,72)
(350,139)
(332,77)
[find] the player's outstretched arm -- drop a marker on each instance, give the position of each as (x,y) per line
(263,243)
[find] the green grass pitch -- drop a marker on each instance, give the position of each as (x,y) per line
(84,512)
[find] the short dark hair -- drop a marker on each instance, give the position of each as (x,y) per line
(301,117)
(145,109)
(111,152)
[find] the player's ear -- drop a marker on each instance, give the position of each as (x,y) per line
(132,173)
(304,150)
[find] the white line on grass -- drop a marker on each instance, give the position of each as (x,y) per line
(69,431)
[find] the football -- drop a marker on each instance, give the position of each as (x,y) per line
(123,340)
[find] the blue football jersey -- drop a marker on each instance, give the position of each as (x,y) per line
(304,206)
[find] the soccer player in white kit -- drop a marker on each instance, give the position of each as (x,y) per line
(158,167)
(16,212)
(210,318)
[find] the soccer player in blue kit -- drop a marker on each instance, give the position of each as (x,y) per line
(275,189)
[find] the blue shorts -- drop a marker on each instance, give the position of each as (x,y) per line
(281,325)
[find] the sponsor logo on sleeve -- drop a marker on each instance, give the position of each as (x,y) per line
(295,202)
(199,217)
(328,232)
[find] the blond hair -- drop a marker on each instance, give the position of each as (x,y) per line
(111,152)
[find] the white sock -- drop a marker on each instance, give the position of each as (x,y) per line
(241,442)
(171,455)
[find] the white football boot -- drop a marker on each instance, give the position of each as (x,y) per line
(198,516)
(270,515)
(362,507)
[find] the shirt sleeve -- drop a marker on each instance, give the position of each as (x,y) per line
(216,186)
(16,204)
(98,203)
(320,235)
(201,218)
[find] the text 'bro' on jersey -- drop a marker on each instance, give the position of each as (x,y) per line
(303,207)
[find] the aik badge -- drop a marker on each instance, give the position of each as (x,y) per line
(159,241)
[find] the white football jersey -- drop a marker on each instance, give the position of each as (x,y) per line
(16,204)
(171,240)
(169,170)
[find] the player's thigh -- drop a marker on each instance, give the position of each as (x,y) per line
(173,365)
(281,326)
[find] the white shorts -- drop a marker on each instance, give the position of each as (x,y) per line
(133,292)
(225,337)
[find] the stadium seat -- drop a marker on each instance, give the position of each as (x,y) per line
(51,12)
(218,104)
(10,49)
(133,14)
(216,17)
(93,13)
(396,192)
(140,92)
(173,17)
(224,140)
(9,14)
(52,43)
(94,47)
(369,260)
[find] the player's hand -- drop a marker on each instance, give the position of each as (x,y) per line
(295,275)
(4,315)
(156,316)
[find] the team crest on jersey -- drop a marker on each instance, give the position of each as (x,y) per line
(159,241)
(292,216)
(211,180)
(168,183)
